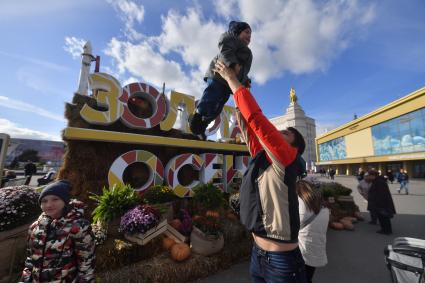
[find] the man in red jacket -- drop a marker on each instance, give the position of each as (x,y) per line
(268,198)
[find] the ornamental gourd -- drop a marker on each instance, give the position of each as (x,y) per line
(180,252)
(212,213)
(176,224)
(168,243)
(336,226)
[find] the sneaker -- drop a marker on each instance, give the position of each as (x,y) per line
(195,123)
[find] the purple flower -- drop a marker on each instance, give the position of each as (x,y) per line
(139,220)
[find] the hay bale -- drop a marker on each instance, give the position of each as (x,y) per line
(162,268)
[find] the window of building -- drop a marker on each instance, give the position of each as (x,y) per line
(400,135)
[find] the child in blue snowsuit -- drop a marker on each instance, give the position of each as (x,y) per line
(234,53)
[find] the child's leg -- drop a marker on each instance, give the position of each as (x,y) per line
(213,100)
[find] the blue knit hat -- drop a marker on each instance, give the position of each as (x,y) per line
(60,189)
(237,27)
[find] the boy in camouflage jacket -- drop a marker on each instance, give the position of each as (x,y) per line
(60,243)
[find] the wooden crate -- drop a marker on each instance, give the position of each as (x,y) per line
(143,239)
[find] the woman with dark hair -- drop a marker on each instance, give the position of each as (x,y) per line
(268,198)
(314,221)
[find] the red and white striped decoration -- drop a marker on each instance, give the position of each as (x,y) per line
(158,102)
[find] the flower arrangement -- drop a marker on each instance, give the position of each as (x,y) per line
(333,189)
(208,197)
(139,219)
(100,234)
(186,222)
(113,202)
(18,205)
(209,224)
(235,203)
(159,194)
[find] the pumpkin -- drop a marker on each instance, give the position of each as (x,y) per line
(352,219)
(358,215)
(336,226)
(176,224)
(232,216)
(167,243)
(180,252)
(212,213)
(196,218)
(347,224)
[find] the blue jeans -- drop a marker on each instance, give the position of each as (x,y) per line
(213,99)
(277,267)
(404,185)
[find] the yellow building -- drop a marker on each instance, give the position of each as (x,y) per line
(389,138)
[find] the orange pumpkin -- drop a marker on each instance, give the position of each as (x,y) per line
(212,213)
(176,224)
(232,216)
(347,224)
(167,243)
(336,226)
(196,218)
(180,252)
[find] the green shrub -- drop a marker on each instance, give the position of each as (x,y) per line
(114,202)
(334,189)
(159,194)
(208,196)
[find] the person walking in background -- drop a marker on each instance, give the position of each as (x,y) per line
(60,242)
(314,220)
(363,187)
(234,53)
(268,197)
(403,179)
(29,170)
(332,173)
(381,202)
(390,176)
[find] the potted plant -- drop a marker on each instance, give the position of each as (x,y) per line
(208,197)
(140,224)
(18,208)
(161,197)
(112,204)
(207,237)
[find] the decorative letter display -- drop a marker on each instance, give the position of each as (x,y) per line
(209,173)
(149,93)
(172,170)
(109,90)
(234,169)
(156,169)
(175,99)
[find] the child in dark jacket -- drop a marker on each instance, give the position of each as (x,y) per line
(234,53)
(60,242)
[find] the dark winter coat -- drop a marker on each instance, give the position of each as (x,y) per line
(60,250)
(232,51)
(380,199)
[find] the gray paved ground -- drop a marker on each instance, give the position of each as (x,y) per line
(357,256)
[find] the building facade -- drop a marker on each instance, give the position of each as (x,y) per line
(389,138)
(296,117)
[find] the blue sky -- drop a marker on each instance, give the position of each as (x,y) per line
(342,57)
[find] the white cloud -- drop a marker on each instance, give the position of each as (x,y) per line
(141,61)
(300,37)
(35,61)
(74,46)
(130,13)
(16,131)
(26,107)
(226,8)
